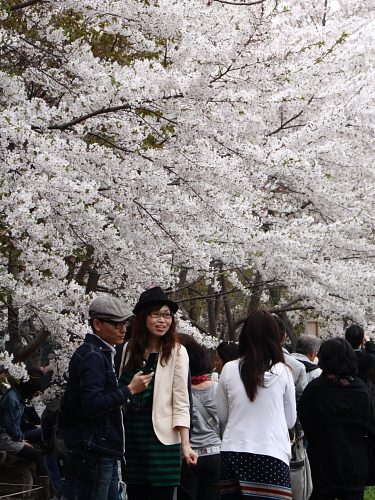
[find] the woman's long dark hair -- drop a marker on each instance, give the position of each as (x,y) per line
(139,339)
(259,349)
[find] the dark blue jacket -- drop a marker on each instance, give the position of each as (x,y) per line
(12,407)
(92,401)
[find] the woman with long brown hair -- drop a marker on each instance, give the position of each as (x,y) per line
(158,419)
(256,405)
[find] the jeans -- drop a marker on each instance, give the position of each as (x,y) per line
(104,484)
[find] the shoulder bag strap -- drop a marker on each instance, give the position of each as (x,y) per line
(210,420)
(123,358)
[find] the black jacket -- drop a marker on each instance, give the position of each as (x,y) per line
(336,419)
(366,361)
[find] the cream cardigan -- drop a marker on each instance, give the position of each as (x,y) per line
(170,407)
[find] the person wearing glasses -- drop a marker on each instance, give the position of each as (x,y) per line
(157,420)
(92,427)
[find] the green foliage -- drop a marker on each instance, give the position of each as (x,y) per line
(369,493)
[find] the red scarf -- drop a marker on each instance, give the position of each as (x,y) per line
(198,379)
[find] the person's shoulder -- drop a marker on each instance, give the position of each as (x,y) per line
(282,369)
(230,369)
(293,362)
(179,350)
(232,365)
(359,384)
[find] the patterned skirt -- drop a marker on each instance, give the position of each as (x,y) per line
(254,476)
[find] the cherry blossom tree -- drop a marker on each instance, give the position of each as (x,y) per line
(227,141)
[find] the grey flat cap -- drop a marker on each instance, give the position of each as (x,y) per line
(109,308)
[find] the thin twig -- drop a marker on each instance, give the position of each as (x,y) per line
(282,126)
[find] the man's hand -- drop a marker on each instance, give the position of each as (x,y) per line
(26,444)
(140,382)
(365,339)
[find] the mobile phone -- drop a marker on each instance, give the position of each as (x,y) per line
(150,363)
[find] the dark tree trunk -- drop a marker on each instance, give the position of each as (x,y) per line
(228,312)
(92,282)
(255,296)
(211,312)
(289,329)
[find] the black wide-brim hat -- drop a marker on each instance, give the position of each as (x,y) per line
(154,295)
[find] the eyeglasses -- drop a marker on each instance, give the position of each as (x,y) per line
(117,324)
(157,314)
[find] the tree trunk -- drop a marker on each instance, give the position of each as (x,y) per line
(92,281)
(211,312)
(182,280)
(255,296)
(289,329)
(228,312)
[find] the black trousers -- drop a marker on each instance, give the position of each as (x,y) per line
(146,492)
(32,454)
(202,481)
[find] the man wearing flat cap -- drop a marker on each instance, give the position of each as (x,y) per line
(92,402)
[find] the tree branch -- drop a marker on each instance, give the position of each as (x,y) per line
(120,148)
(22,354)
(285,309)
(158,223)
(185,286)
(282,126)
(239,3)
(194,323)
(101,111)
(25,4)
(241,321)
(215,295)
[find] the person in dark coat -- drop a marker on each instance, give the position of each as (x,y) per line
(356,337)
(337,415)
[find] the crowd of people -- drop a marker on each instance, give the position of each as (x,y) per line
(144,408)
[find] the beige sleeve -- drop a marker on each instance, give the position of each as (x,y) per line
(180,396)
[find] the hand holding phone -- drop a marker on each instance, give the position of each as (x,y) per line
(150,363)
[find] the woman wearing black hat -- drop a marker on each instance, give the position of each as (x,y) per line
(158,419)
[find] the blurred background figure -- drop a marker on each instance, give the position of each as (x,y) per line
(225,351)
(336,414)
(356,337)
(12,407)
(256,404)
(202,481)
(307,349)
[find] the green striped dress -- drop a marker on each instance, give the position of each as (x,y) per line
(148,461)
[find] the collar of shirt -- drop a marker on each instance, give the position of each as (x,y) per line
(110,347)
